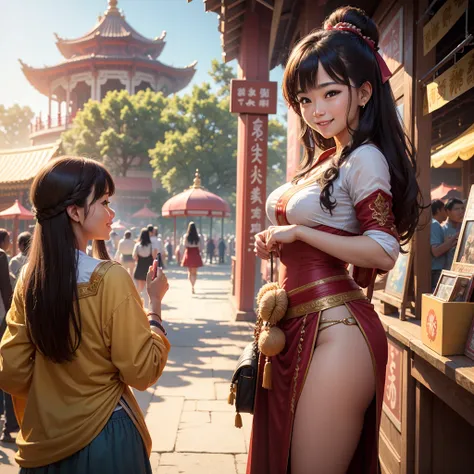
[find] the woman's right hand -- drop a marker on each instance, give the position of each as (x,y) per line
(260,245)
(156,287)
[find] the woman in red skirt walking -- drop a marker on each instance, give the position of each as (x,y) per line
(192,257)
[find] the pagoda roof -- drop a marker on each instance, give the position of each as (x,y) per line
(18,166)
(111,27)
(40,78)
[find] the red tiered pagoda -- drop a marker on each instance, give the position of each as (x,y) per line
(111,56)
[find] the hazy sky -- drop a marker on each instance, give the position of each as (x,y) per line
(27,27)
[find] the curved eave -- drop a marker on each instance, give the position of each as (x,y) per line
(112,25)
(40,78)
(153,49)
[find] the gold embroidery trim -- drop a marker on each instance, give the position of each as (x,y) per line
(92,287)
(317,283)
(298,361)
(327,323)
(321,304)
(381,210)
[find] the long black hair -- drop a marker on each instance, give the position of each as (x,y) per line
(349,60)
(52,305)
(192,235)
(144,238)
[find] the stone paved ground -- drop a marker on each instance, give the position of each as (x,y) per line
(190,422)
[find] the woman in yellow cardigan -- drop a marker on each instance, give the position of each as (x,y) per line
(78,335)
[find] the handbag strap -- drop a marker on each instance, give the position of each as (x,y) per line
(271,267)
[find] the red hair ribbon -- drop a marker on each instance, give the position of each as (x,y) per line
(344,26)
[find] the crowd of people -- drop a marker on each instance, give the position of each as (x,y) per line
(445,227)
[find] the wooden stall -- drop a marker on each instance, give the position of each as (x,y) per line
(427,424)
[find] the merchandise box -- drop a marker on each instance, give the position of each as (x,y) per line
(445,326)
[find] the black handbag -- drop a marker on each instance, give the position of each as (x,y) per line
(244,380)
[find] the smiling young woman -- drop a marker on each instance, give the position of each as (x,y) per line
(77,335)
(352,203)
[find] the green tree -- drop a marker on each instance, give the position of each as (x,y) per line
(120,130)
(202,134)
(222,74)
(15,126)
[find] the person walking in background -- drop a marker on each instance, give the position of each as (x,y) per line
(455,209)
(222,246)
(169,250)
(6,405)
(124,253)
(210,248)
(19,260)
(143,256)
(78,336)
(192,257)
(440,245)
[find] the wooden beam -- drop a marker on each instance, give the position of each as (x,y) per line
(234,16)
(276,18)
(233,4)
(232,36)
(212,5)
(232,46)
(226,28)
(265,3)
(421,132)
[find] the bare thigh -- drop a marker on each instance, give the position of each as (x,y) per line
(339,387)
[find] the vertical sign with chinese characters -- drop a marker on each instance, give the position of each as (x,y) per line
(257,184)
(253,100)
(392,402)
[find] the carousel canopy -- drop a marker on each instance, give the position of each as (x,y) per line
(145,213)
(17,211)
(196,201)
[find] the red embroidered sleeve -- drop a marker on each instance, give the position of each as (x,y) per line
(375,213)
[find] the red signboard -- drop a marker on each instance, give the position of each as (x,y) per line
(393,385)
(253,97)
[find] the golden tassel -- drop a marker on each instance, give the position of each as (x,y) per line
(231,397)
(267,375)
(238,420)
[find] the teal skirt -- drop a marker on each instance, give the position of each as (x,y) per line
(117,449)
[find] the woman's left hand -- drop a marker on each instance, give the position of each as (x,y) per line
(284,234)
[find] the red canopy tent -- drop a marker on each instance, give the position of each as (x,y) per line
(444,191)
(17,212)
(196,202)
(145,213)
(120,225)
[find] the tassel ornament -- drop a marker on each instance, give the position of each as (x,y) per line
(267,375)
(238,420)
(231,397)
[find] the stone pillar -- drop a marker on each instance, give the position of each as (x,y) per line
(251,180)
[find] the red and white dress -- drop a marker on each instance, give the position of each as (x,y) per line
(316,281)
(192,256)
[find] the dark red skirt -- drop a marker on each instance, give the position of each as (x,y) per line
(302,266)
(192,258)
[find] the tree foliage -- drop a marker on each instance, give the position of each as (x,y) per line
(119,131)
(203,134)
(175,135)
(15,126)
